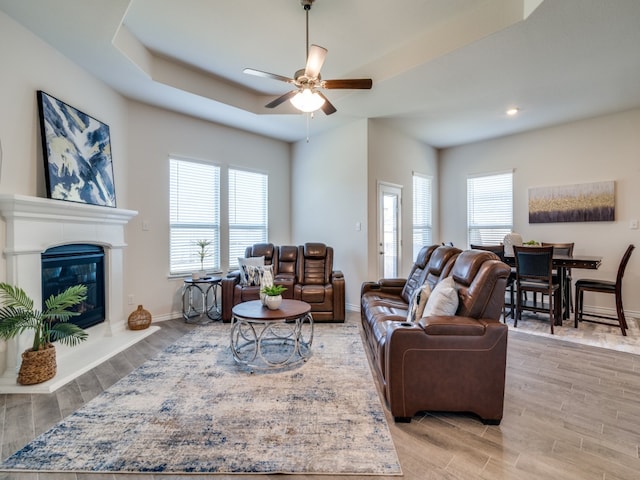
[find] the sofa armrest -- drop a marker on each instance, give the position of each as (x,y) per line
(228,285)
(234,274)
(386,285)
(462,371)
(339,303)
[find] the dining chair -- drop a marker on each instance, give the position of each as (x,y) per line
(534,273)
(603,286)
(499,250)
(567,296)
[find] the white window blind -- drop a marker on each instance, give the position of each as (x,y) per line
(194,206)
(248,207)
(422,225)
(489,208)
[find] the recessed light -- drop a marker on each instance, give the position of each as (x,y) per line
(513,111)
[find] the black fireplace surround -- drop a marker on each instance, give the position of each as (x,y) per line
(74,264)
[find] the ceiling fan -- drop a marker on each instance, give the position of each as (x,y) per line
(307,96)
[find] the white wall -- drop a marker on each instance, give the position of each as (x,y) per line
(28,65)
(393,157)
(154,134)
(597,149)
(329,196)
(142,137)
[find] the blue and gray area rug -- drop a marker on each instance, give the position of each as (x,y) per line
(192,410)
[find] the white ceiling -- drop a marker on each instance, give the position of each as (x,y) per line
(443,70)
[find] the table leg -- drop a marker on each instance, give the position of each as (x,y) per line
(564,294)
(212,309)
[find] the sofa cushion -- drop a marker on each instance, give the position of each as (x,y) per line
(418,302)
(443,299)
(250,261)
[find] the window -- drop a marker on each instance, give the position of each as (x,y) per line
(247,211)
(421,212)
(489,208)
(194,209)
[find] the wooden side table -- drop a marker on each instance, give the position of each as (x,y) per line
(200,297)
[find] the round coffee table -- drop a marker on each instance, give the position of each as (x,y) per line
(270,339)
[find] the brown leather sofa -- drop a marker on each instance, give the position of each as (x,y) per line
(450,363)
(307,273)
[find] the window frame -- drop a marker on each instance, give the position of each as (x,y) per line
(232,209)
(494,231)
(212,262)
(426,227)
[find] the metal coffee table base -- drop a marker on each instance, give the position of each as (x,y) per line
(271,344)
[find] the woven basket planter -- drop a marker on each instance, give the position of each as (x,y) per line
(37,366)
(139,319)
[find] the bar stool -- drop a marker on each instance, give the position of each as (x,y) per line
(567,297)
(603,286)
(534,273)
(499,250)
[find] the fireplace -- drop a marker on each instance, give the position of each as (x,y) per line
(38,225)
(67,265)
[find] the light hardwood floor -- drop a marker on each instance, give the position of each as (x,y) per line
(571,412)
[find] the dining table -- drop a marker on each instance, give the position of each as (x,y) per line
(563,263)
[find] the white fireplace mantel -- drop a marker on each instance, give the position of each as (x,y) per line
(35,224)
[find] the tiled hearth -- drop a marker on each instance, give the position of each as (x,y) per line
(34,224)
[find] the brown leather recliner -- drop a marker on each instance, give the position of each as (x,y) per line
(318,284)
(286,268)
(232,290)
(454,363)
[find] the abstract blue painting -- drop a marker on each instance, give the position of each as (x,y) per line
(77,154)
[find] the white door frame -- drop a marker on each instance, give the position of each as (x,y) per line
(386,189)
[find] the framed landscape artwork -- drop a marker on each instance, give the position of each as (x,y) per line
(77,154)
(587,202)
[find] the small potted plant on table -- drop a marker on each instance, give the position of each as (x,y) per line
(272,296)
(203,252)
(17,315)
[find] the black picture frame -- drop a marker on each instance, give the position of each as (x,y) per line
(77,154)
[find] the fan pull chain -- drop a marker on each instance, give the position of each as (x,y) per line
(309,116)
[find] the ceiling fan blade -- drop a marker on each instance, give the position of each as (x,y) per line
(315,60)
(281,99)
(260,73)
(327,107)
(353,83)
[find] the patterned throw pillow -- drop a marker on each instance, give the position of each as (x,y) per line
(418,302)
(443,300)
(258,275)
(266,275)
(251,261)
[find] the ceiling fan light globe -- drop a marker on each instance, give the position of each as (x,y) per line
(307,101)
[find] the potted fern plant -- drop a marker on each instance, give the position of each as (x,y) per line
(18,315)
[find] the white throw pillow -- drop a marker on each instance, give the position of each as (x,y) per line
(250,261)
(443,299)
(418,302)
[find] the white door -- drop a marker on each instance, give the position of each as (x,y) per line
(389,241)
